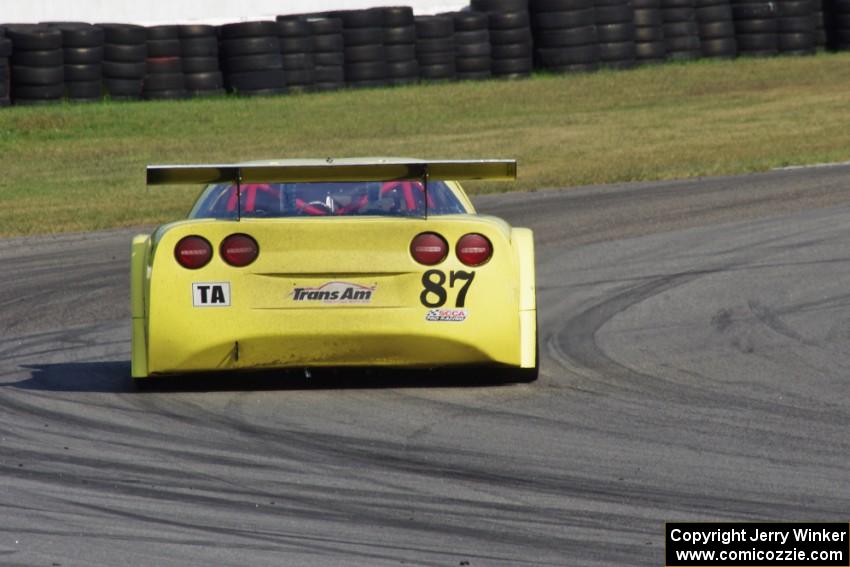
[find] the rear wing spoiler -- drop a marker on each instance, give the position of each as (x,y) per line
(455,170)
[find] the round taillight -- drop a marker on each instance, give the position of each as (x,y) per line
(239,250)
(429,248)
(193,252)
(474,249)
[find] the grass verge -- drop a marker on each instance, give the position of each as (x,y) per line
(81,167)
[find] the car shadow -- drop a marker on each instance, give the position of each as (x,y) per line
(114,377)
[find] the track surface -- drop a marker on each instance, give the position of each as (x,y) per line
(695,361)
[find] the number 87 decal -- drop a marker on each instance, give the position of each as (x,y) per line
(434,282)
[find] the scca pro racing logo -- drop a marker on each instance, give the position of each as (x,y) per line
(455,315)
(334,292)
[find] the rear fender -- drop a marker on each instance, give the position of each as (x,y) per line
(139,252)
(523,241)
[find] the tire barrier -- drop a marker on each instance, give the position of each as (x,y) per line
(164,67)
(435,48)
(473,52)
(650,46)
(716,29)
(681,33)
(400,45)
(511,43)
(37,70)
(296,50)
(565,35)
(199,56)
(53,61)
(251,59)
(125,50)
(756,28)
(615,30)
(363,37)
(82,49)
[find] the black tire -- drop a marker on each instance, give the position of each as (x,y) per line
(329,59)
(38,92)
(434,45)
(256,80)
(402,52)
(559,5)
(671,15)
(123,34)
(250,63)
(366,84)
(296,45)
(357,53)
(430,27)
(437,72)
(648,35)
(758,42)
(80,35)
(363,36)
(756,26)
(29,37)
(560,57)
(160,33)
(439,58)
(125,53)
(682,43)
(328,86)
(613,14)
(297,61)
(300,77)
(567,37)
(41,58)
(509,20)
(122,70)
(199,47)
(473,75)
(293,27)
(754,11)
(365,71)
(83,73)
(195,31)
(325,26)
(328,43)
(160,65)
(200,64)
(84,90)
(246,30)
(476,36)
(123,87)
(715,13)
(650,50)
(395,16)
(37,76)
(83,55)
(521,66)
(796,24)
(470,21)
(518,35)
(473,50)
(370,18)
(473,64)
(511,51)
(163,47)
(648,17)
(617,52)
(327,74)
(792,8)
(164,82)
(724,47)
(250,46)
(798,43)
(400,35)
(204,81)
(499,5)
(615,33)
(716,30)
(680,29)
(176,94)
(565,19)
(5,47)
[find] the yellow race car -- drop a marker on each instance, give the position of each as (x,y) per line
(333,263)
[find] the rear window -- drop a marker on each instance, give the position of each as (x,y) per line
(389,198)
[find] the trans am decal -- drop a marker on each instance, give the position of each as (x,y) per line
(454,315)
(334,292)
(211,294)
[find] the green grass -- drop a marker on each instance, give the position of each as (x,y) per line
(81,167)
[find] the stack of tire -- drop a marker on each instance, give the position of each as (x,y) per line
(615,30)
(472,45)
(328,52)
(400,45)
(199,56)
(650,46)
(435,48)
(365,58)
(5,52)
(716,29)
(796,27)
(251,59)
(756,27)
(821,38)
(510,36)
(838,25)
(565,38)
(124,52)
(296,49)
(38,73)
(681,32)
(82,49)
(164,68)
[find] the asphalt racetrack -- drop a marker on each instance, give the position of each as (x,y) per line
(695,366)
